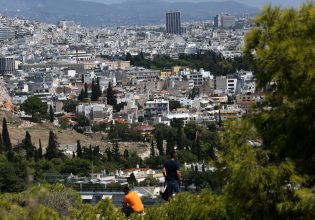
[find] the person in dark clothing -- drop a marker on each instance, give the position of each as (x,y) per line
(172,175)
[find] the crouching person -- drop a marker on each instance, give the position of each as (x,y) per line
(131,203)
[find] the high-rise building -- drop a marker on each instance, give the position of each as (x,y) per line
(173,24)
(217,21)
(7,65)
(64,24)
(224,20)
(6,33)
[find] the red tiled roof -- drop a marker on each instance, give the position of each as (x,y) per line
(144,128)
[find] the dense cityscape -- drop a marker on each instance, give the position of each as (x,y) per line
(88,111)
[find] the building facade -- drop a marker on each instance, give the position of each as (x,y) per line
(224,20)
(7,65)
(6,33)
(173,23)
(156,108)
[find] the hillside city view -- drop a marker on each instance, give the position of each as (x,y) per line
(135,109)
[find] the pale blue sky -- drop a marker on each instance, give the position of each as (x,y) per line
(257,3)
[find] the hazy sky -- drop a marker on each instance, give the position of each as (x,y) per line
(256,3)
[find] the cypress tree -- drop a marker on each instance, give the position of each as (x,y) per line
(73,154)
(196,168)
(85,95)
(93,95)
(28,146)
(111,99)
(81,95)
(5,136)
(40,150)
(126,154)
(203,168)
(96,152)
(1,145)
(35,152)
(220,119)
(198,149)
(98,88)
(90,153)
(10,155)
(152,149)
(132,180)
(109,154)
(179,139)
(52,148)
(159,142)
(79,149)
(170,143)
(116,150)
(51,114)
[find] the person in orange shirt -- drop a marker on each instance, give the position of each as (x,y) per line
(131,203)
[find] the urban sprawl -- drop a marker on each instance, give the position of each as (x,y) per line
(147,67)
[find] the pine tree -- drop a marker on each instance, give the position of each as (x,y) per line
(111,99)
(51,114)
(52,148)
(159,142)
(6,137)
(79,149)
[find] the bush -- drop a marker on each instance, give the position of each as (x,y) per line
(189,206)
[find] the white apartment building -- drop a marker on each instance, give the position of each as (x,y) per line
(156,108)
(95,111)
(231,85)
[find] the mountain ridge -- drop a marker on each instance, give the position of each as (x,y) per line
(135,12)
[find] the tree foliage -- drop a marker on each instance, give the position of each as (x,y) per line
(209,60)
(28,146)
(111,99)
(282,50)
(35,107)
(124,132)
(51,114)
(52,150)
(5,136)
(70,106)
